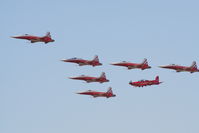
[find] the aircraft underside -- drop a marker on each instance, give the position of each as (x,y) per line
(35,40)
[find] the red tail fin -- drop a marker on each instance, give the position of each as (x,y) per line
(194,65)
(103,75)
(145,61)
(96,58)
(157,78)
(109,90)
(48,34)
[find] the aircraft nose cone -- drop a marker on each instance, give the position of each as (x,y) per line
(131,83)
(114,64)
(53,40)
(114,95)
(17,37)
(63,60)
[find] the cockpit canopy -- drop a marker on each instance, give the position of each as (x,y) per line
(74,58)
(142,80)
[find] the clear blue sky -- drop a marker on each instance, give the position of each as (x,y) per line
(36,95)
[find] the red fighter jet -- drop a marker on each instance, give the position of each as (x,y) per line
(129,65)
(95,94)
(82,62)
(142,83)
(89,79)
(193,68)
(46,39)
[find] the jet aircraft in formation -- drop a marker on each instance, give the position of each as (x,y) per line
(89,79)
(142,83)
(144,65)
(83,62)
(193,68)
(95,94)
(46,39)
(95,62)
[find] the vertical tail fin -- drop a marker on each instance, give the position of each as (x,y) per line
(157,78)
(96,58)
(194,65)
(103,75)
(48,34)
(145,61)
(110,90)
